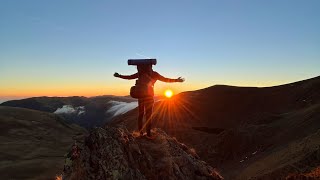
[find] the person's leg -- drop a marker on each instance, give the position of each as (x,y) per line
(149,109)
(141,113)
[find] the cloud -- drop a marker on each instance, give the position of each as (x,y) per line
(142,55)
(119,108)
(69,109)
(66,109)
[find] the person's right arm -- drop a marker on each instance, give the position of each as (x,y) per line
(133,76)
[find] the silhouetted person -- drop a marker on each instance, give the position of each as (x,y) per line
(147,77)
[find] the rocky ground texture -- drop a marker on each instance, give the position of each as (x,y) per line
(115,153)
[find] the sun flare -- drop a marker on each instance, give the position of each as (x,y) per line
(168,93)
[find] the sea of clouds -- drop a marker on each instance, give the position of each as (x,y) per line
(119,108)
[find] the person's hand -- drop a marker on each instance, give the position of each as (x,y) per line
(116,74)
(180,79)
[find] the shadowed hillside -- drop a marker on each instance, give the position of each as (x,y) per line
(33,143)
(234,127)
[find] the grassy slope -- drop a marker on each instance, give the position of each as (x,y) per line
(33,143)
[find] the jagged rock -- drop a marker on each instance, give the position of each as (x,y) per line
(115,153)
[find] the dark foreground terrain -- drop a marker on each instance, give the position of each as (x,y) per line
(115,153)
(33,143)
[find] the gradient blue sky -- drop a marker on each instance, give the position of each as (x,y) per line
(73,47)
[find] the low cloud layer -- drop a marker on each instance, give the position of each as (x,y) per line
(119,108)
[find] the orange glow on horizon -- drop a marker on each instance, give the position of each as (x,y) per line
(89,89)
(77,90)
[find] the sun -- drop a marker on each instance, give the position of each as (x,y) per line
(168,93)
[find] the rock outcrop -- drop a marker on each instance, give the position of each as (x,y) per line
(115,153)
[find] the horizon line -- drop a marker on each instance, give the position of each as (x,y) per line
(16,97)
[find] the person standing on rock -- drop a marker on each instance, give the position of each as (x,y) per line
(144,92)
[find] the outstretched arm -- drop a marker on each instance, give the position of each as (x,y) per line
(168,80)
(133,76)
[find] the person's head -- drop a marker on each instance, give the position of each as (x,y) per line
(142,69)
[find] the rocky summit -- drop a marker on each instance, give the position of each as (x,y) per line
(116,153)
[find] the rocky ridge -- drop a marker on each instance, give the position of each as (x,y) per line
(115,153)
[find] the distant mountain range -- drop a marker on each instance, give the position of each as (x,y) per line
(86,112)
(246,132)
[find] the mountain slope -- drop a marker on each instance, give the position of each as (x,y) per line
(299,156)
(33,143)
(232,127)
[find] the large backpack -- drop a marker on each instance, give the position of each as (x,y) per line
(141,91)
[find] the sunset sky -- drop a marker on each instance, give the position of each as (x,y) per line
(65,48)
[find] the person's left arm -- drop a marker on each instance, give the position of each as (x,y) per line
(168,80)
